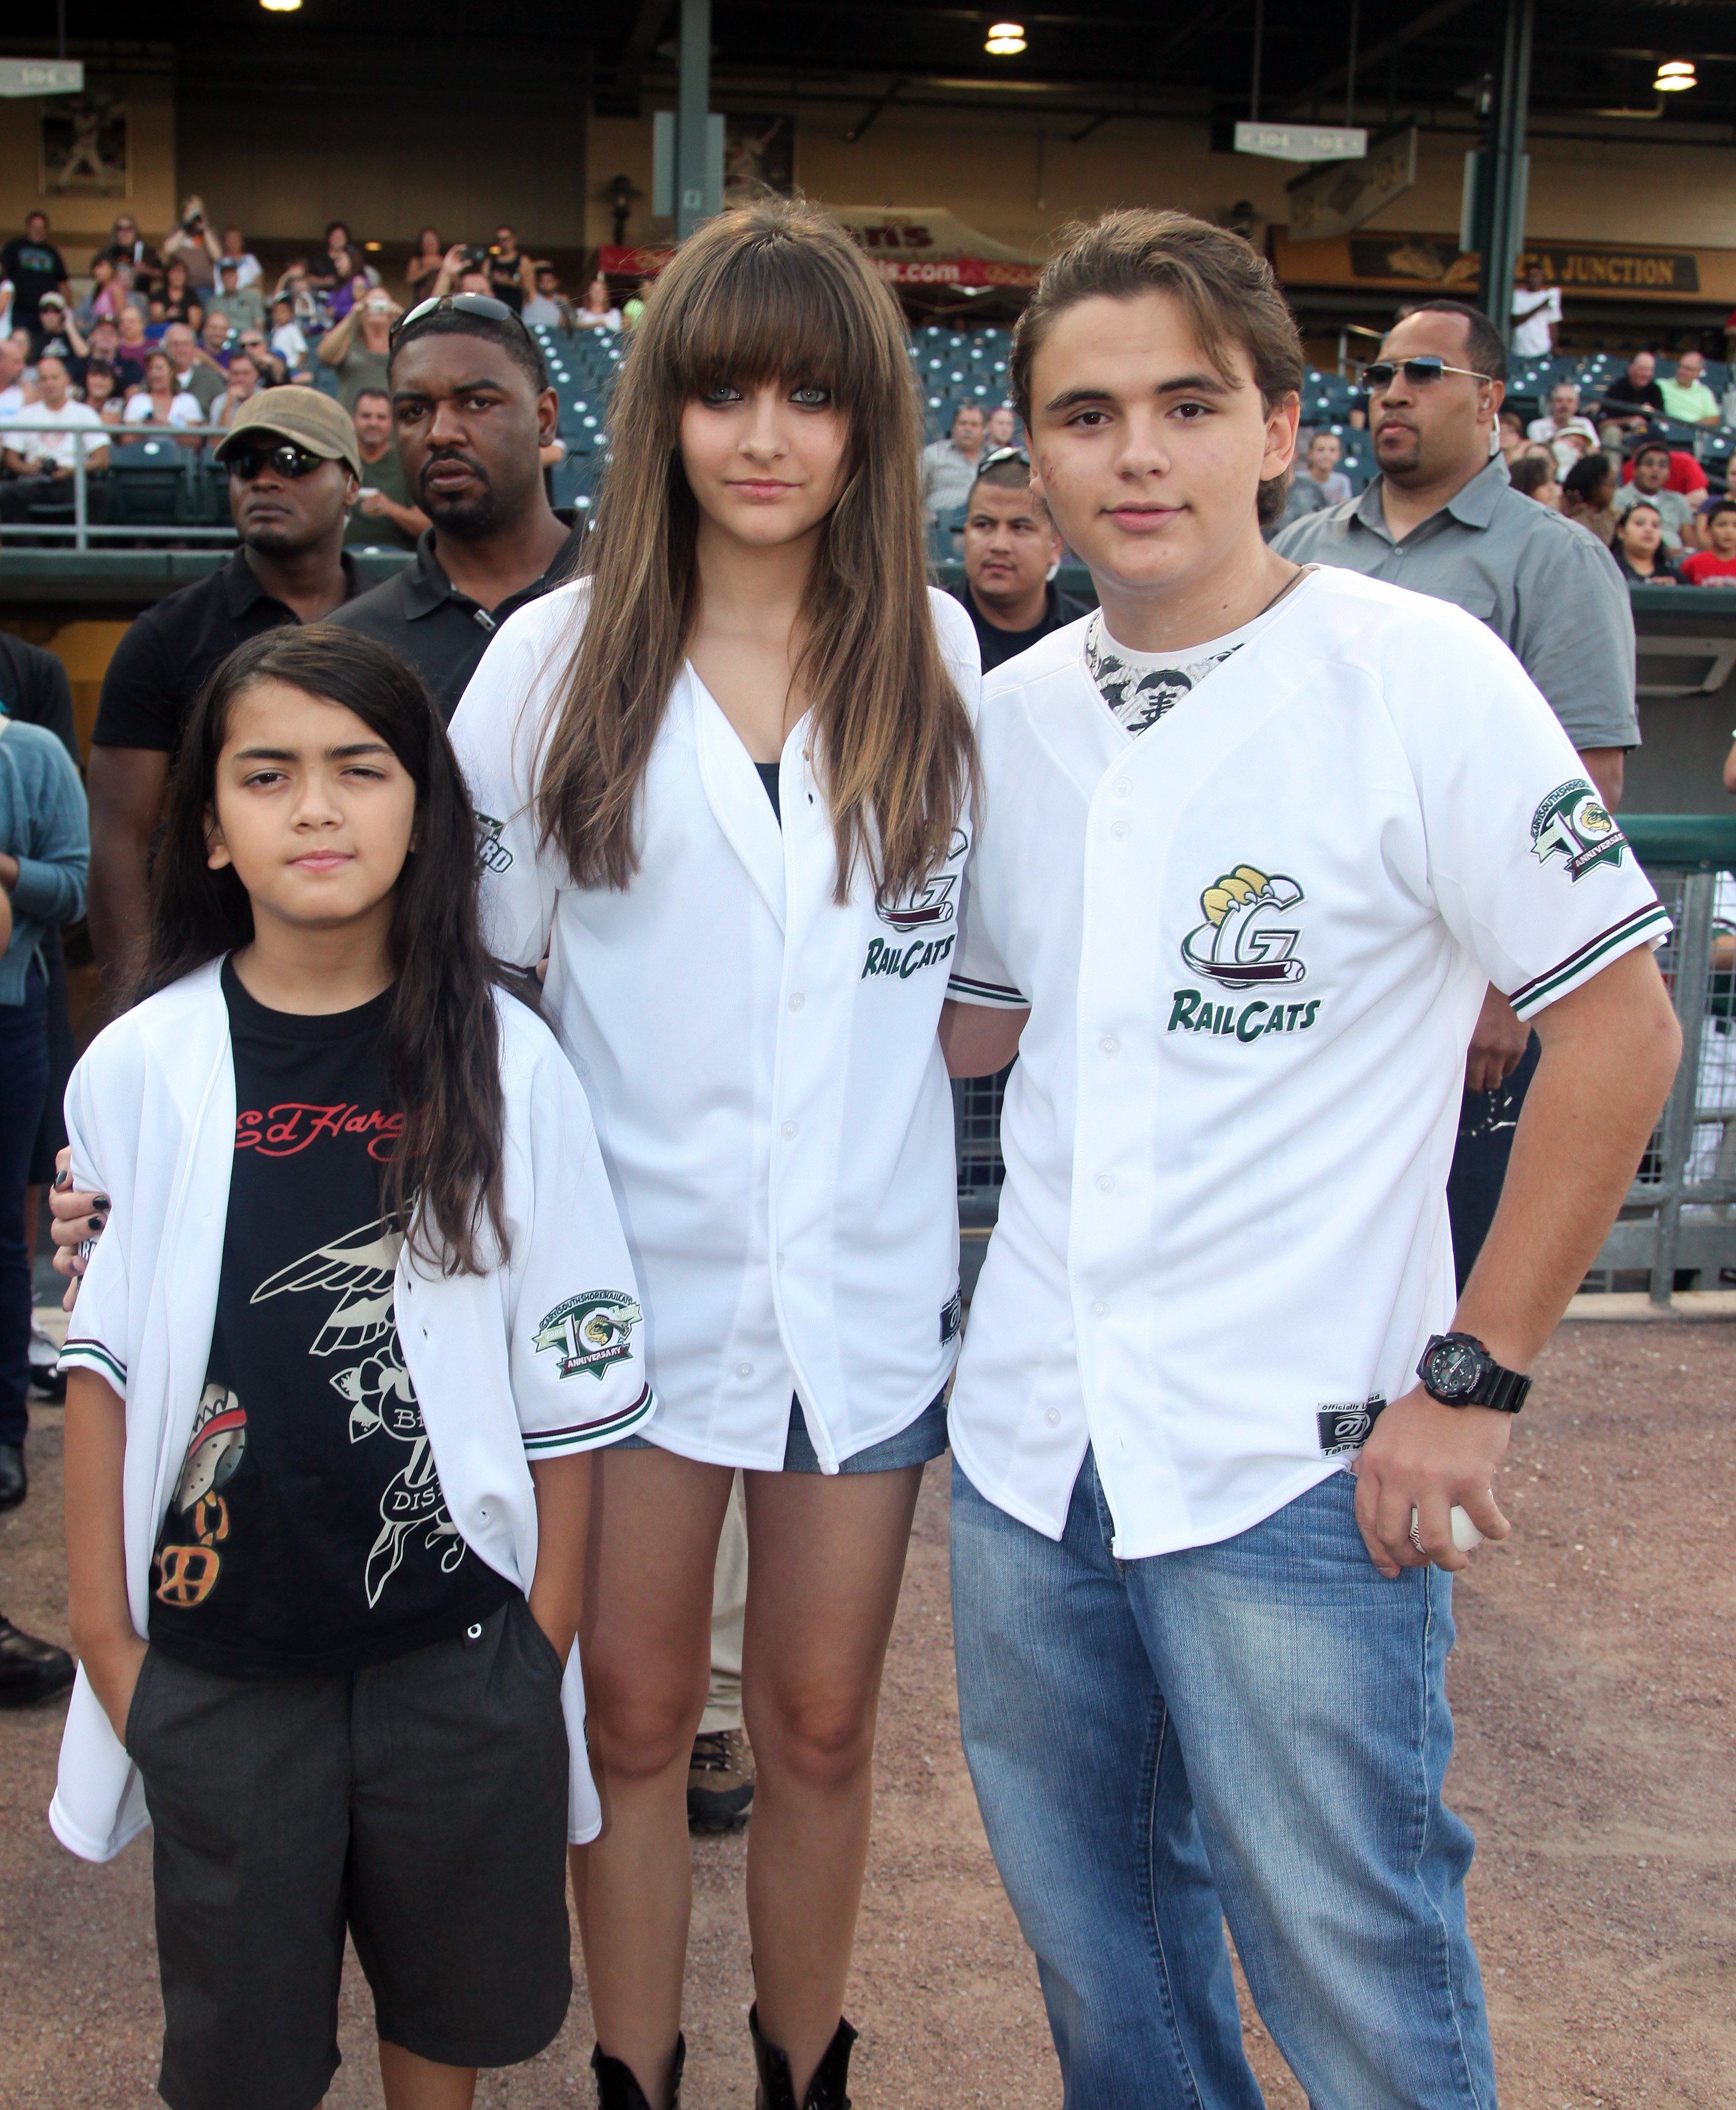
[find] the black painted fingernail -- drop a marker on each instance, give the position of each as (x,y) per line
(103,1202)
(62,1180)
(95,1223)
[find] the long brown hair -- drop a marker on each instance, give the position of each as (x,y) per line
(441,1038)
(772,291)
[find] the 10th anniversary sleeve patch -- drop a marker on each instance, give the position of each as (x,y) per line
(591,1331)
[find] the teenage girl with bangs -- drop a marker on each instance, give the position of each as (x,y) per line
(361,1312)
(724,782)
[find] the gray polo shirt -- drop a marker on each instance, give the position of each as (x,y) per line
(1545,586)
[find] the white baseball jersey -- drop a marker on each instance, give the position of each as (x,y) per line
(1255,941)
(761,1061)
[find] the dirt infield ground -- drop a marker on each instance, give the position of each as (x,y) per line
(1596,1704)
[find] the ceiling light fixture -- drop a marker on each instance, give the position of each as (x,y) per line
(280,6)
(1006,39)
(1674,75)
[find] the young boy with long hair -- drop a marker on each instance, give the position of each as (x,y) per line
(360,1314)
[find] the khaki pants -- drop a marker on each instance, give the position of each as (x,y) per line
(728,1606)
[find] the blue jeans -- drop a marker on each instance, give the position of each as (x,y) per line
(23,1081)
(1255,1731)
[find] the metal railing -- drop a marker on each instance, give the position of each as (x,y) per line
(1680,1213)
(81,531)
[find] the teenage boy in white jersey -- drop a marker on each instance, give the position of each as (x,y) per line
(1239,941)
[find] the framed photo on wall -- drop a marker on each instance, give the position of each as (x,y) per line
(82,147)
(759,156)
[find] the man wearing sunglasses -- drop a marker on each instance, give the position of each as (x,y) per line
(1442,519)
(471,410)
(294,470)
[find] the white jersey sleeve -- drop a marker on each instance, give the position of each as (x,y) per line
(1530,871)
(497,732)
(577,1351)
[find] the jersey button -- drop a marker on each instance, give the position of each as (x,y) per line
(1109,1044)
(1105,1181)
(744,1371)
(790,1128)
(1121,831)
(1123,785)
(1098,1307)
(797,1001)
(1053,1417)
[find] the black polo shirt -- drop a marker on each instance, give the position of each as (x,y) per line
(437,630)
(1059,610)
(161,664)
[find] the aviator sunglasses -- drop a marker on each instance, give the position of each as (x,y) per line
(464,304)
(287,460)
(1378,376)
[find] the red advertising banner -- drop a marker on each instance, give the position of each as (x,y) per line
(896,271)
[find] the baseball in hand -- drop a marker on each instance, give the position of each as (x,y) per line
(1465,1533)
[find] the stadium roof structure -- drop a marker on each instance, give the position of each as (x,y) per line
(1593,68)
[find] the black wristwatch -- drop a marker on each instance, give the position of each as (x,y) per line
(1459,1371)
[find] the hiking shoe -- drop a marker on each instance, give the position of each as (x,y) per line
(720,1780)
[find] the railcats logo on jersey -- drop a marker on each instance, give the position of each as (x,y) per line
(1247,941)
(932,907)
(1574,824)
(495,856)
(591,1331)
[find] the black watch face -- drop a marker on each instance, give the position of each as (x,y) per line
(1454,1367)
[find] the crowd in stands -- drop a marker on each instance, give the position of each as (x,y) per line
(172,339)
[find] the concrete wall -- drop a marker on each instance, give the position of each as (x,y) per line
(81,221)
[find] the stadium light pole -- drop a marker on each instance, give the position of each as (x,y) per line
(1501,170)
(693,98)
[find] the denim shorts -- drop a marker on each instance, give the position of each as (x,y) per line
(913,1445)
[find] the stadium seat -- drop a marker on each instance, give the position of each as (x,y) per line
(148,484)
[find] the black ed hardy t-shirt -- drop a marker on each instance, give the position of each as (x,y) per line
(307,1532)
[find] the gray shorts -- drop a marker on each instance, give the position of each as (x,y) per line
(422,1803)
(913,1445)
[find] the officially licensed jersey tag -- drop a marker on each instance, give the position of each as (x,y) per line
(1344,1429)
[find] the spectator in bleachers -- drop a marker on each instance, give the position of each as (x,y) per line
(505,268)
(357,348)
(1321,467)
(382,516)
(178,301)
(1533,475)
(1686,396)
(1639,547)
(1001,430)
(103,299)
(288,340)
(16,388)
(1588,493)
(272,372)
(1563,406)
(544,308)
(202,378)
(42,461)
(598,310)
(1512,435)
(949,465)
(1650,462)
(472,409)
(1441,518)
(243,381)
(58,333)
(102,391)
(126,245)
(1634,396)
(35,267)
(1010,545)
(338,265)
(1536,315)
(214,340)
(193,245)
(1576,439)
(241,307)
(424,268)
(131,345)
(130,295)
(235,251)
(161,401)
(633,306)
(1715,566)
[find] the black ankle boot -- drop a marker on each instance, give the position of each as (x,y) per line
(776,2090)
(618,2089)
